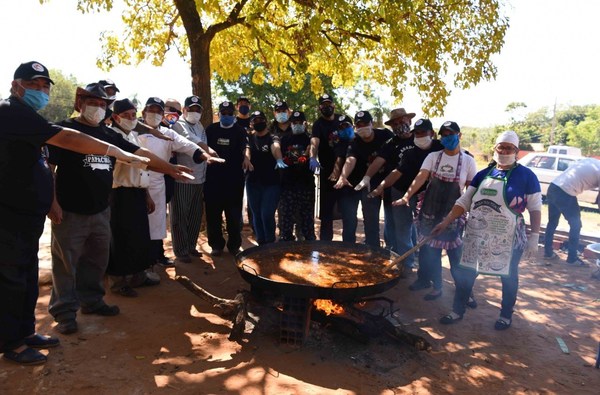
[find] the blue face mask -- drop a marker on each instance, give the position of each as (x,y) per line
(282,117)
(35,99)
(450,142)
(244,110)
(346,133)
(227,120)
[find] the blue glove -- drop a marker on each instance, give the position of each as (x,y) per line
(280,164)
(314,164)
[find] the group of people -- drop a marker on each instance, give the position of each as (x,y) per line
(105,179)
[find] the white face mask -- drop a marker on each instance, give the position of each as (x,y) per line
(193,117)
(93,114)
(504,160)
(127,124)
(423,142)
(364,132)
(153,119)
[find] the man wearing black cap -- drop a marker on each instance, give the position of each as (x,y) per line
(400,178)
(110,87)
(224,186)
(243,112)
(80,213)
(322,145)
(25,174)
(361,153)
(281,123)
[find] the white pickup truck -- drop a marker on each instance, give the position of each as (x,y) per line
(547,166)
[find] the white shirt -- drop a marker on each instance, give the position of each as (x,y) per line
(194,133)
(580,176)
(126,175)
(448,164)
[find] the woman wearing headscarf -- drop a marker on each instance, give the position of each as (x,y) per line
(495,236)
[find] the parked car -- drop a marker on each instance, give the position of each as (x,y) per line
(547,167)
(564,149)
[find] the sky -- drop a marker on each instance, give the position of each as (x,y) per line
(550,56)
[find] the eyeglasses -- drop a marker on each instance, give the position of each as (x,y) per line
(506,148)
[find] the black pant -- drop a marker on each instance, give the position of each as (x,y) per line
(19,241)
(231,204)
(327,198)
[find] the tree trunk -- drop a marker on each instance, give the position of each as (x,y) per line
(201,74)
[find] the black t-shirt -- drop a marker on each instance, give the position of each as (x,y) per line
(276,130)
(393,150)
(84,182)
(365,153)
(25,179)
(326,131)
(243,122)
(263,161)
(230,145)
(294,148)
(410,164)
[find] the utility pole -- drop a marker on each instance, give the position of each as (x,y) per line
(553,130)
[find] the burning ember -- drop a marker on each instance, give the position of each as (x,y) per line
(328,307)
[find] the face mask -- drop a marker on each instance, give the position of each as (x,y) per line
(423,142)
(127,124)
(227,120)
(171,118)
(504,160)
(402,130)
(35,99)
(282,117)
(364,132)
(93,114)
(327,111)
(193,117)
(450,142)
(244,110)
(153,119)
(297,129)
(346,134)
(260,126)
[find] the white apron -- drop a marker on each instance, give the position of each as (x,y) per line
(491,229)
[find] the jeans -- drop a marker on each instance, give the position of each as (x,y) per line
(80,248)
(465,279)
(430,264)
(348,201)
(404,227)
(263,201)
(560,202)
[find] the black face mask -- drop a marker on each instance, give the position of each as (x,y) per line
(260,126)
(244,110)
(327,111)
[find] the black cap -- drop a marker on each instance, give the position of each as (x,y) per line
(345,119)
(451,126)
(325,98)
(280,105)
(192,101)
(258,114)
(363,116)
(31,70)
(423,125)
(94,90)
(242,98)
(226,105)
(109,84)
(298,116)
(155,101)
(121,106)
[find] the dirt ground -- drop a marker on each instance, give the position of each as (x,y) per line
(168,340)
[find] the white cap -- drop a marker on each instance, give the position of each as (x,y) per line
(508,137)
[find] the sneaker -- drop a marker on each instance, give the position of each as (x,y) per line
(104,310)
(67,327)
(577,263)
(41,341)
(216,252)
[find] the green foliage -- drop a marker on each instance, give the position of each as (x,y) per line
(428,45)
(62,97)
(586,133)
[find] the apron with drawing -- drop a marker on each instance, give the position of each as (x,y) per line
(437,201)
(491,229)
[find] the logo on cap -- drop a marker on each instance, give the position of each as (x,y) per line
(360,114)
(225,104)
(38,67)
(447,123)
(194,100)
(156,99)
(325,96)
(296,114)
(279,103)
(419,122)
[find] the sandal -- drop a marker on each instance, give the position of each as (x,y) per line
(450,318)
(472,303)
(502,324)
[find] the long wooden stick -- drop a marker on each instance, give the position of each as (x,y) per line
(402,257)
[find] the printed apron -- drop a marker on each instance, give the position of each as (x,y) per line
(491,229)
(438,200)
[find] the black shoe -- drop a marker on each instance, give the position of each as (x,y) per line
(165,262)
(502,324)
(67,327)
(577,263)
(433,296)
(104,310)
(450,318)
(29,356)
(216,252)
(40,341)
(126,291)
(472,303)
(419,285)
